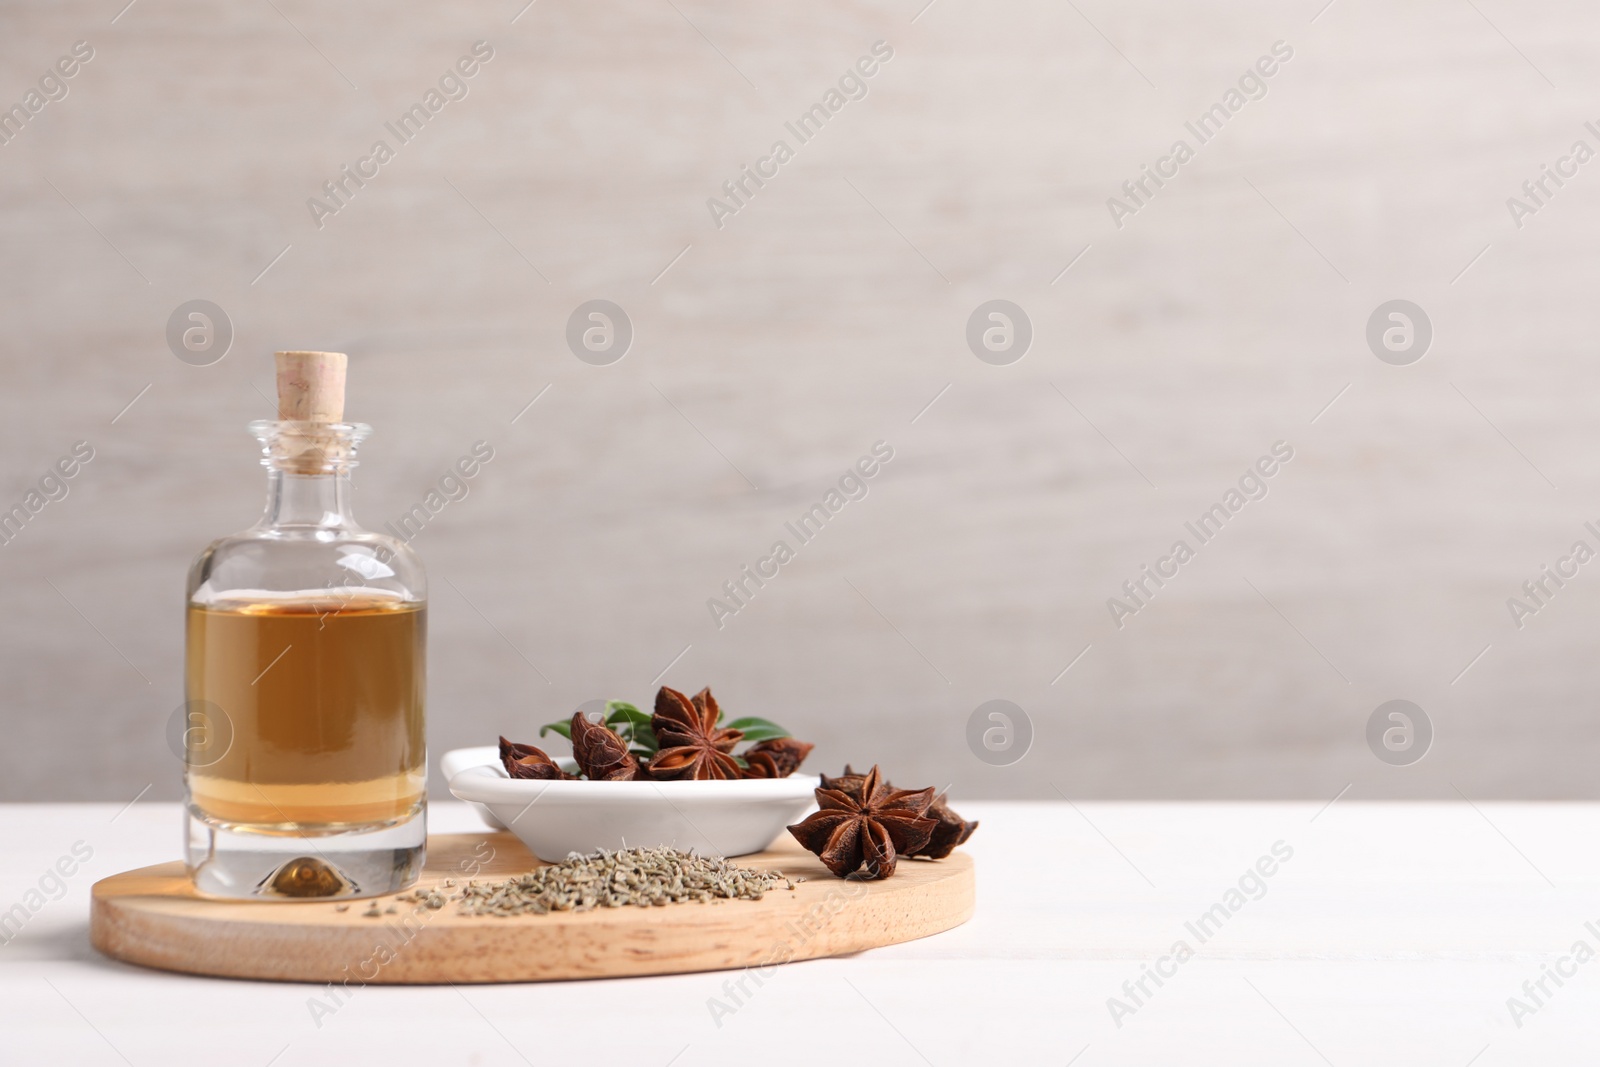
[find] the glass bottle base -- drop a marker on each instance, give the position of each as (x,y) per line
(225,861)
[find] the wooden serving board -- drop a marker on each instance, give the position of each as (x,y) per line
(154,917)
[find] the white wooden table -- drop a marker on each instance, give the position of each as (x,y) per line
(1393,934)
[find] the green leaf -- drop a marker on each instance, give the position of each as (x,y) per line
(641,740)
(742,762)
(619,711)
(758,729)
(633,726)
(562,728)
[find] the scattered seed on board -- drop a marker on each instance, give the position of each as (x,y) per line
(631,877)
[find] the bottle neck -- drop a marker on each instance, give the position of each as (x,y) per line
(308,473)
(308,501)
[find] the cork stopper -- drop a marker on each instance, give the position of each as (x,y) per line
(311,392)
(311,386)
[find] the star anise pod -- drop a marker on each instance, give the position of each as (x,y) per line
(952,830)
(849,782)
(602,755)
(777,758)
(866,829)
(692,746)
(527,761)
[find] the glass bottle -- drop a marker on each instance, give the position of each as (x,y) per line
(305,757)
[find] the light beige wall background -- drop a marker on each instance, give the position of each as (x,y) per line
(823,317)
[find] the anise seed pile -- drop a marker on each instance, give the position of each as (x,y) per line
(630,877)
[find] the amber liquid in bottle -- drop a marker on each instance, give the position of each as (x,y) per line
(324,699)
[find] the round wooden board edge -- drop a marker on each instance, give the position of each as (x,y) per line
(150,930)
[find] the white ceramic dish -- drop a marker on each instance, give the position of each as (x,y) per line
(557,818)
